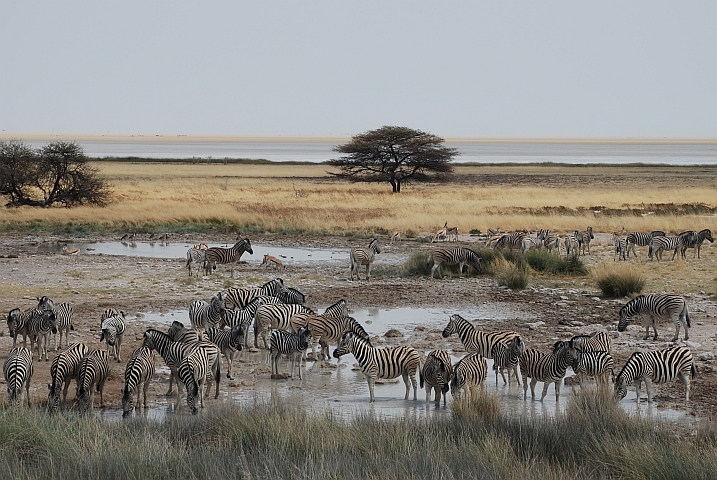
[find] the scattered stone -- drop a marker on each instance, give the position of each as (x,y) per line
(535,325)
(706,356)
(393,333)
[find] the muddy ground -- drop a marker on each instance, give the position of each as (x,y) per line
(558,309)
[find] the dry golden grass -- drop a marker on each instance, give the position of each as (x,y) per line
(281,197)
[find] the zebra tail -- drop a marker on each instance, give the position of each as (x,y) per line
(693,370)
(420,373)
(687,316)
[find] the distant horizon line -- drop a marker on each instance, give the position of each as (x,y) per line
(223,138)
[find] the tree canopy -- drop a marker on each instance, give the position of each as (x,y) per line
(394,154)
(57,173)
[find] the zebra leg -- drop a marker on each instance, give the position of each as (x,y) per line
(533,382)
(648,387)
(685,378)
(368,272)
(407,383)
(371,381)
(525,387)
(546,384)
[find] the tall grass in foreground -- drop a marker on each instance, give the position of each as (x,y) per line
(619,281)
(594,439)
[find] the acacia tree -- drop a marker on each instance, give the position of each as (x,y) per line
(394,154)
(56,173)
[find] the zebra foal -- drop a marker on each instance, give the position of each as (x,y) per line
(326,329)
(65,367)
(113,329)
(229,342)
(593,364)
(470,372)
(224,256)
(18,371)
(659,366)
(454,256)
(546,367)
(584,239)
(505,356)
(291,344)
(436,374)
(137,375)
(275,316)
(363,256)
(653,306)
(389,362)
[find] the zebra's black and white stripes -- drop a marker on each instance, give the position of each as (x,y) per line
(505,357)
(197,256)
(470,372)
(207,314)
(18,372)
(593,364)
(113,329)
(363,256)
(93,372)
(291,344)
(274,316)
(475,341)
(229,342)
(659,366)
(389,362)
(239,298)
(511,241)
(137,375)
(65,367)
(41,324)
(454,256)
(641,239)
(695,240)
(197,370)
(436,373)
(327,329)
(17,324)
(584,239)
(653,306)
(63,318)
(223,256)
(171,352)
(620,244)
(595,342)
(546,367)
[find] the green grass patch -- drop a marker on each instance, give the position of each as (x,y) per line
(619,281)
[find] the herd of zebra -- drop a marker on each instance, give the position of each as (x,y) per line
(220,327)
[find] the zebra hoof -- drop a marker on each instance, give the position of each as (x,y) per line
(230,378)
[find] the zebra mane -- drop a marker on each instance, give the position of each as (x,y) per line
(634,356)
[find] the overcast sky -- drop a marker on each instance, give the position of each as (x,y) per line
(343,67)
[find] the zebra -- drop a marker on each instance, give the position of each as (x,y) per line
(552,241)
(207,315)
(475,341)
(65,367)
(113,329)
(292,344)
(593,364)
(292,295)
(239,298)
(18,372)
(198,256)
(641,239)
(110,312)
(327,329)
(595,342)
(245,317)
(468,373)
(695,241)
(546,367)
(620,243)
(41,324)
(63,318)
(658,366)
(17,323)
(389,362)
(363,256)
(223,256)
(660,244)
(171,352)
(93,372)
(536,242)
(200,365)
(572,246)
(229,342)
(513,241)
(493,239)
(137,375)
(454,256)
(179,333)
(436,374)
(337,310)
(657,305)
(505,356)
(274,316)
(584,238)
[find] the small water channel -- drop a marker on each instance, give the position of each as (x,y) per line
(343,391)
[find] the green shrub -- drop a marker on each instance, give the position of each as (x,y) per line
(509,274)
(418,264)
(546,262)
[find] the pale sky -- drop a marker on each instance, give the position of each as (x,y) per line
(535,68)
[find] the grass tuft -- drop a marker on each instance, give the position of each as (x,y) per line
(619,281)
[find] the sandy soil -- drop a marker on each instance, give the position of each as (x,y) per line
(135,285)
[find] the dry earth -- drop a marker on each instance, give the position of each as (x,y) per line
(135,285)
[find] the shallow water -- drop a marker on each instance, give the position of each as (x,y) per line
(344,391)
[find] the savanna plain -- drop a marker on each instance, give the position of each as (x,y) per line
(297,205)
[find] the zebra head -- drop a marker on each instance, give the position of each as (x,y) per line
(566,350)
(345,345)
(516,347)
(109,333)
(247,245)
(374,245)
(13,318)
(127,401)
(705,234)
(626,376)
(452,326)
(625,316)
(590,233)
(44,303)
(192,394)
(53,397)
(237,336)
(304,337)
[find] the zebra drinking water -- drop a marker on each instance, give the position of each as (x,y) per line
(65,367)
(659,366)
(18,372)
(137,375)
